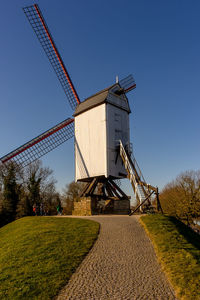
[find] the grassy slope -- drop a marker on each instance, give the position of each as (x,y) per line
(178,249)
(39,254)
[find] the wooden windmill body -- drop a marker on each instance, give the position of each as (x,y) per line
(100,122)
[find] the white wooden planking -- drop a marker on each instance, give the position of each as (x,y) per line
(90,143)
(97,132)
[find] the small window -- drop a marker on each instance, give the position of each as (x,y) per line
(118,135)
(117,117)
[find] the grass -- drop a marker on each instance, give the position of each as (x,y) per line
(38,255)
(178,249)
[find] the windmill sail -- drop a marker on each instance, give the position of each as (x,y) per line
(38,24)
(42,144)
(128,83)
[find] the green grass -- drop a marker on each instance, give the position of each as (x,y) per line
(38,255)
(178,250)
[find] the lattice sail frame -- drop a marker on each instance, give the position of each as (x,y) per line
(41,30)
(128,83)
(42,144)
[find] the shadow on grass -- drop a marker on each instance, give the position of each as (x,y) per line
(191,236)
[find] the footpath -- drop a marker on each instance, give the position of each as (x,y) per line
(122,265)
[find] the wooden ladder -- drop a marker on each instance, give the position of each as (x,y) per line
(142,190)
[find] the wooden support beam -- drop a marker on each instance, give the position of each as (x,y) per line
(155,189)
(104,190)
(159,207)
(140,204)
(91,187)
(109,190)
(114,190)
(118,189)
(82,194)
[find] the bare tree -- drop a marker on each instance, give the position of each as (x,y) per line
(70,195)
(38,181)
(21,188)
(181,197)
(39,186)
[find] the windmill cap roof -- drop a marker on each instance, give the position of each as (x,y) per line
(96,99)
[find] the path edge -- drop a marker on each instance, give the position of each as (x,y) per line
(160,261)
(59,296)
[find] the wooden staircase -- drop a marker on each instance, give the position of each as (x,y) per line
(142,190)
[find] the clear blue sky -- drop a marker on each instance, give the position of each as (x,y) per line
(157,41)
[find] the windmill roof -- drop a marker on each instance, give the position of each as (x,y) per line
(94,100)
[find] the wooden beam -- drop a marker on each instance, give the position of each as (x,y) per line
(109,190)
(118,189)
(140,204)
(153,188)
(114,190)
(82,193)
(91,187)
(159,207)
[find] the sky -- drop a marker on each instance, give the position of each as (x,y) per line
(157,41)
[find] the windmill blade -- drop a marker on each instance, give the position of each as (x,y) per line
(38,24)
(42,144)
(128,83)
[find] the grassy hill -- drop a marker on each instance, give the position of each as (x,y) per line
(178,249)
(38,255)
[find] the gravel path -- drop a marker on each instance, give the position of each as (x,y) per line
(121,265)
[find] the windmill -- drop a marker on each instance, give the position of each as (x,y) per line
(94,145)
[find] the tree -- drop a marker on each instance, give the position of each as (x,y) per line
(33,186)
(11,182)
(70,195)
(23,207)
(181,197)
(40,186)
(21,188)
(51,202)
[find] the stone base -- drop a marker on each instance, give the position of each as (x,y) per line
(83,207)
(88,206)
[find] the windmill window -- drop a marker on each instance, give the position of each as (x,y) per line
(117,117)
(118,135)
